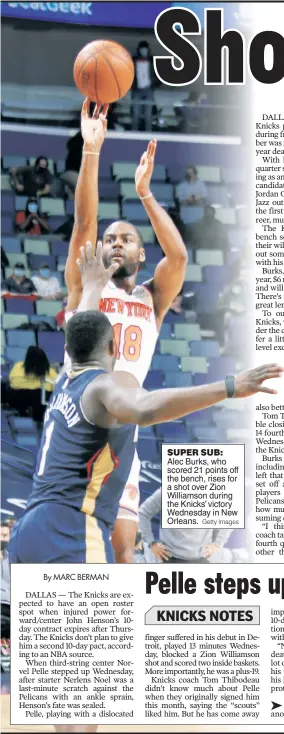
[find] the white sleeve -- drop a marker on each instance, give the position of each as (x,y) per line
(129,501)
(68,315)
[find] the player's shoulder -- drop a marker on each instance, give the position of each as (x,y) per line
(96,382)
(123,379)
(112,380)
(144,291)
(104,387)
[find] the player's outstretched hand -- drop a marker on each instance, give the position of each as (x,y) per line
(251,382)
(145,169)
(92,268)
(93,128)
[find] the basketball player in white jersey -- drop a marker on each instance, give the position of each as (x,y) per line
(135,312)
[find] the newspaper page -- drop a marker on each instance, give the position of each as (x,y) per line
(142,533)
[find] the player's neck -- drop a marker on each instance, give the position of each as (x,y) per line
(126,284)
(92,364)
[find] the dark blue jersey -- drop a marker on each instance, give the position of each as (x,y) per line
(80,464)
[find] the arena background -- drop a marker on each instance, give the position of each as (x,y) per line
(40,113)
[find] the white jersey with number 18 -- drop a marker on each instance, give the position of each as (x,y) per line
(135,329)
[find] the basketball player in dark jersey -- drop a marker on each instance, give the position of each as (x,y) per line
(88,444)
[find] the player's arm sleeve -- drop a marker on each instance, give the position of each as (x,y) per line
(85,225)
(170,272)
(148,510)
(129,501)
(124,512)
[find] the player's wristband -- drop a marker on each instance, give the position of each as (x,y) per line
(142,198)
(90,152)
(230,386)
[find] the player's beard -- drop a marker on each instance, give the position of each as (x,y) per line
(125,270)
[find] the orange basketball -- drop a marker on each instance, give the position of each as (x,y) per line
(103,71)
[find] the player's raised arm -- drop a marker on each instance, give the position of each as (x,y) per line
(86,198)
(170,272)
(129,404)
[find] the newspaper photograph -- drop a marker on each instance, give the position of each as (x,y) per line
(142,408)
